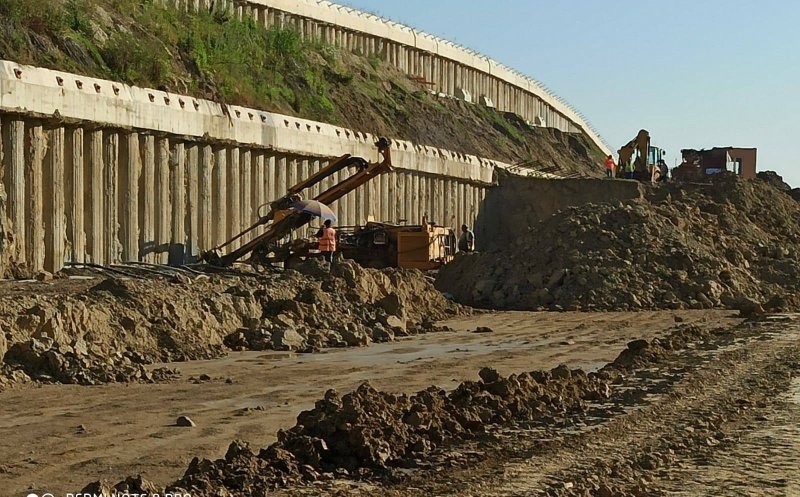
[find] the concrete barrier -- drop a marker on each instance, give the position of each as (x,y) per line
(97,171)
(444,66)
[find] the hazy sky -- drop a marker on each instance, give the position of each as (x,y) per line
(695,73)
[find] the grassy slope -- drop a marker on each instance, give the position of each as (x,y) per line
(213,56)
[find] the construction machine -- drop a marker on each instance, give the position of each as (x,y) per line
(424,246)
(282,218)
(644,156)
(637,151)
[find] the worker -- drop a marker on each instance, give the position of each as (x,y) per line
(610,166)
(466,242)
(630,169)
(327,240)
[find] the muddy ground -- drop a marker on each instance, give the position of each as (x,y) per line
(715,417)
(66,436)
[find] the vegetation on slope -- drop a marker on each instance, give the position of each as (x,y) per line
(213,55)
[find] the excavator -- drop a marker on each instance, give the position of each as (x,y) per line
(425,246)
(282,218)
(644,158)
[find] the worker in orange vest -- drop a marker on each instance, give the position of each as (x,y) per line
(327,240)
(610,166)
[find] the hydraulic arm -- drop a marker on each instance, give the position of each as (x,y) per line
(282,219)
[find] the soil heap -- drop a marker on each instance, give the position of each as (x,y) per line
(680,246)
(105,330)
(368,432)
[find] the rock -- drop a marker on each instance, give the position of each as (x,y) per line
(392,305)
(287,339)
(185,421)
(43,276)
(136,485)
(561,372)
(489,375)
(79,347)
(556,279)
(605,491)
(100,488)
(637,345)
(749,308)
(483,329)
(355,338)
(714,290)
(394,322)
(381,335)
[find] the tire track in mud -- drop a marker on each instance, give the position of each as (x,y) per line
(695,439)
(765,461)
(716,418)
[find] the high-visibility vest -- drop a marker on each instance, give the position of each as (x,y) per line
(631,168)
(327,242)
(610,164)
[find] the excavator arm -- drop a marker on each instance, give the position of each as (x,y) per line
(640,144)
(282,219)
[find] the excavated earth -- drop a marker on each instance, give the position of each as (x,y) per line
(104,330)
(695,404)
(730,243)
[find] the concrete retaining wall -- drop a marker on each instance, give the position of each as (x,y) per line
(519,203)
(97,171)
(443,66)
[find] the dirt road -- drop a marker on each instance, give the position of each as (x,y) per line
(716,418)
(57,438)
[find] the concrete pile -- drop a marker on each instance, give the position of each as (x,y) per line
(680,246)
(368,432)
(76,332)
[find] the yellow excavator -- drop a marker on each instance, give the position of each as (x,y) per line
(644,157)
(635,150)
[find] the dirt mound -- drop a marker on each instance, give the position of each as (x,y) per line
(367,432)
(774,179)
(91,332)
(680,246)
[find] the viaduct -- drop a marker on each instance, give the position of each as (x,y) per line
(98,171)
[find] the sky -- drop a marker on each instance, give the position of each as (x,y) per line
(694,73)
